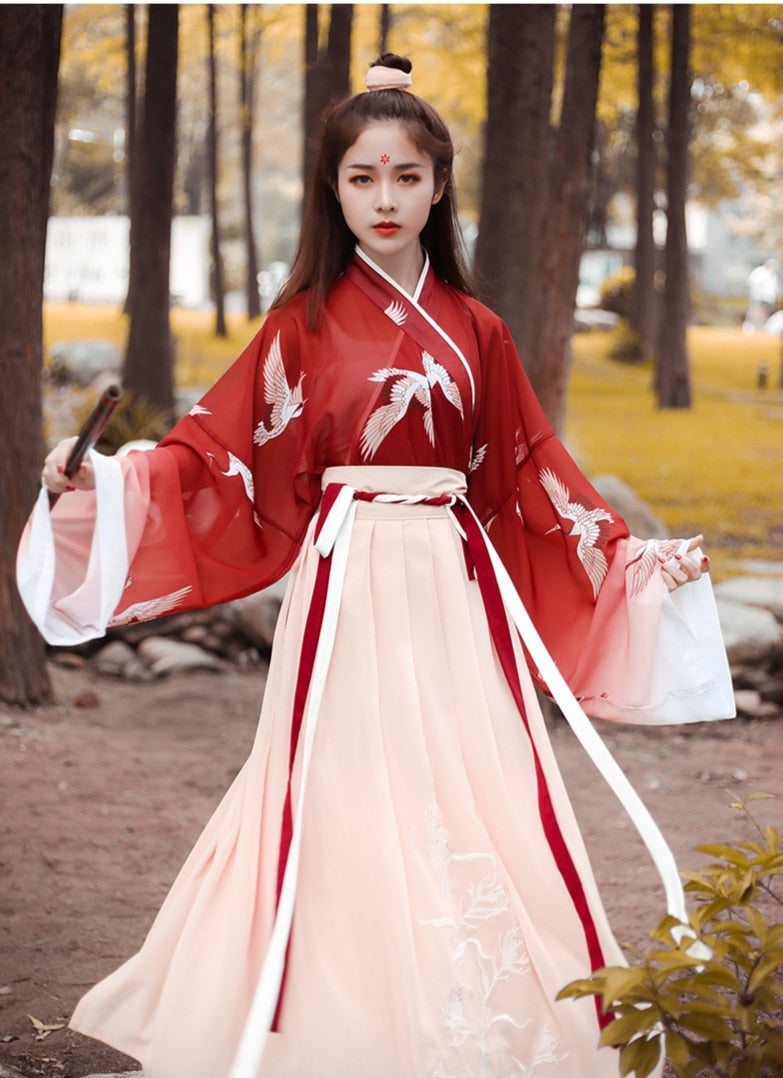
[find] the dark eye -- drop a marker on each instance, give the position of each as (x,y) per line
(409,177)
(360,180)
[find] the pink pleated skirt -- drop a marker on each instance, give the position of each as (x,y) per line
(432,928)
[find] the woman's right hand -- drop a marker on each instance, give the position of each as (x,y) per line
(53,473)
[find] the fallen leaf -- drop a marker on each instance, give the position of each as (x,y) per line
(42,1029)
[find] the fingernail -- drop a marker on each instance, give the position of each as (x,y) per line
(70,488)
(59,469)
(705,560)
(678,557)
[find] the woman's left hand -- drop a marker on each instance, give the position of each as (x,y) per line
(681,568)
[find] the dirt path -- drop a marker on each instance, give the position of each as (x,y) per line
(104,793)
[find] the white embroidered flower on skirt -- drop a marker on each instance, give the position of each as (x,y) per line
(487,951)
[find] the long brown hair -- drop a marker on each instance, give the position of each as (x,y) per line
(326,244)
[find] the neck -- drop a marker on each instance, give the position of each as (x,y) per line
(405,272)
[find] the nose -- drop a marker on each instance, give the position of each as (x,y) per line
(384,196)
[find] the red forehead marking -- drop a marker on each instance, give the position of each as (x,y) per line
(385,159)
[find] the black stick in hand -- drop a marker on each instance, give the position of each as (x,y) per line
(93,428)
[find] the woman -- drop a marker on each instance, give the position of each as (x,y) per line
(395,884)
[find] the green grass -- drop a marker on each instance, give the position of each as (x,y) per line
(716,468)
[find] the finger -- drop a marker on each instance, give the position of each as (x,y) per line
(695,543)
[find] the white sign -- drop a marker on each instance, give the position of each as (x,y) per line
(87,260)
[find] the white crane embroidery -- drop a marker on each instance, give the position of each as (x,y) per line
(236,467)
(286,401)
(649,557)
(407,387)
(152,608)
(587,524)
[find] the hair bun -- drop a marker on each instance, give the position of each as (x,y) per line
(391,59)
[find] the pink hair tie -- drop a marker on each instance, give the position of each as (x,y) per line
(387,78)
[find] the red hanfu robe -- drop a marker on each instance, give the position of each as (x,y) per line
(443,894)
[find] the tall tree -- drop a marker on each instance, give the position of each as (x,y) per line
(327,70)
(130,139)
(564,230)
(672,371)
(643,313)
(212,139)
(248,60)
(385,27)
(515,175)
(149,362)
(29,58)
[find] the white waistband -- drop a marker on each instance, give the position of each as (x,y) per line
(397,480)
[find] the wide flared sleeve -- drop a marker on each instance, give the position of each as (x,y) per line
(216,511)
(628,649)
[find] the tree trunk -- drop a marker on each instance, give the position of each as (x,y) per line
(383,43)
(248,57)
(564,230)
(312,93)
(212,138)
(672,382)
(149,373)
(130,142)
(643,313)
(327,71)
(29,60)
(515,186)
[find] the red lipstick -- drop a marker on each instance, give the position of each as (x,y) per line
(386,228)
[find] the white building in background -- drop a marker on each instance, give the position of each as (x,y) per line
(87,260)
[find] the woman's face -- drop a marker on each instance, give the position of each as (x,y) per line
(386,188)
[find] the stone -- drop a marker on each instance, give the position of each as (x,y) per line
(163,655)
(82,361)
(114,658)
(751,635)
(640,519)
(765,592)
(256,615)
(747,700)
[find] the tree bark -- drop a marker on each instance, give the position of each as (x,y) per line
(672,383)
(327,71)
(248,58)
(566,219)
(29,60)
(515,178)
(149,373)
(643,312)
(130,142)
(212,139)
(312,94)
(385,27)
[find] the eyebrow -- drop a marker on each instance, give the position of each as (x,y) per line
(402,167)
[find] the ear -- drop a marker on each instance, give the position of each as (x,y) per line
(439,189)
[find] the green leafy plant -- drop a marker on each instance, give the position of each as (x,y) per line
(714,1007)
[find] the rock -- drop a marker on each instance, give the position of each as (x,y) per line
(751,634)
(82,361)
(747,700)
(640,519)
(765,592)
(114,658)
(256,615)
(165,656)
